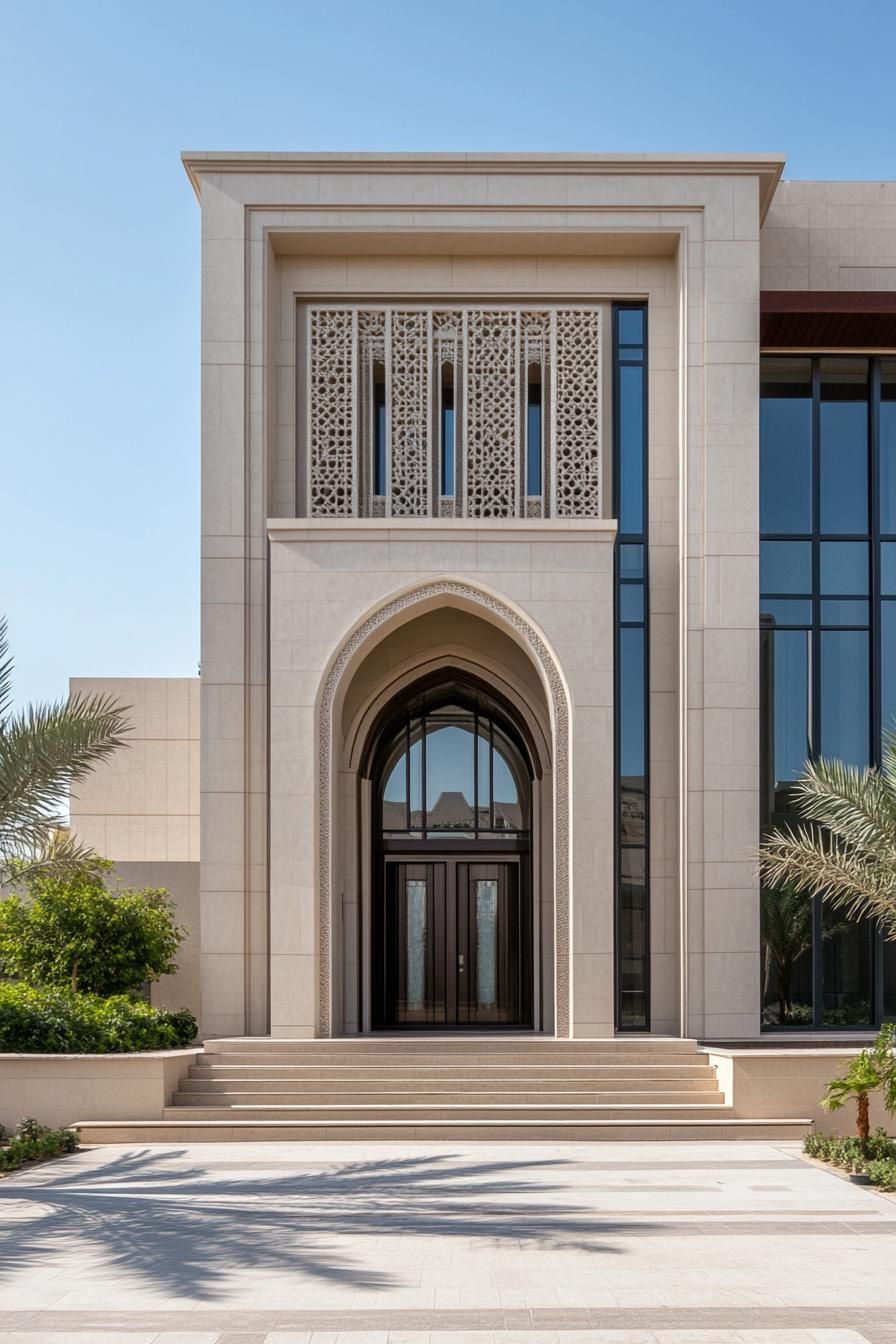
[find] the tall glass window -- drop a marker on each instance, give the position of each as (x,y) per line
(828,641)
(632,681)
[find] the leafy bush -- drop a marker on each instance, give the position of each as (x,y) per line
(876,1157)
(72,932)
(55,1021)
(36,1144)
(883,1173)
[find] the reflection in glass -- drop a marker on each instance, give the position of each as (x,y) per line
(476,779)
(888,446)
(631,327)
(889,969)
(487,943)
(786,611)
(847,977)
(484,782)
(631,561)
(790,706)
(786,958)
(634,950)
(449,779)
(785,566)
(416,773)
(506,790)
(844,612)
(888,666)
(395,795)
(785,472)
(844,567)
(415,945)
(632,737)
(845,711)
(843,451)
(630,413)
(631,602)
(888,568)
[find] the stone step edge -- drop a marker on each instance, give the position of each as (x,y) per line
(714,1122)
(401,1107)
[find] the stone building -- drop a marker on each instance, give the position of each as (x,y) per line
(516,629)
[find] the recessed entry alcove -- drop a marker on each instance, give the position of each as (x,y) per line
(444,809)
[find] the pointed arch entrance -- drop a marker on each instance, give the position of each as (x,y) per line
(379,655)
(452,939)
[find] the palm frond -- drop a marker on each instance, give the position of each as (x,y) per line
(45,749)
(857,806)
(821,864)
(5,672)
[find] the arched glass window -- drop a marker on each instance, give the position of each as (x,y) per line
(452,770)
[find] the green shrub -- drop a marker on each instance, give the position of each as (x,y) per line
(883,1173)
(70,931)
(36,1144)
(57,1022)
(876,1158)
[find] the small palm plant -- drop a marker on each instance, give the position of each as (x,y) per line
(44,749)
(847,850)
(872,1070)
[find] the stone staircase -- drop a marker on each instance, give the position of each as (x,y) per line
(446,1088)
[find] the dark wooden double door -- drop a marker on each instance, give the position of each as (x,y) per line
(452,943)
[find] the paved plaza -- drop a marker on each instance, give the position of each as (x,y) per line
(723,1243)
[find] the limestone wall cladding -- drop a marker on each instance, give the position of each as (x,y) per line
(142,803)
(551,585)
(686,241)
(830,235)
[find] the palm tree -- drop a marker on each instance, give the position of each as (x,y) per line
(44,750)
(869,1071)
(786,936)
(847,850)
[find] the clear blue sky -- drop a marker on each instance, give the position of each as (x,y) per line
(99,356)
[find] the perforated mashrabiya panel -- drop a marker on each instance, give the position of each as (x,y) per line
(577,415)
(331,428)
(490,350)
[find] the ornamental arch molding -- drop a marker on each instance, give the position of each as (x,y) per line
(403,606)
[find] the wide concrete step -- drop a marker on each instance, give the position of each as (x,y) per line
(411,1075)
(454,1043)
(198,1084)
(470,1059)
(426,1097)
(251,1130)
(360,1111)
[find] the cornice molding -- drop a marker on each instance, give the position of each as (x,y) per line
(767,167)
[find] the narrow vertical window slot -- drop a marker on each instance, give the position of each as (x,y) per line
(447,445)
(379,429)
(534,432)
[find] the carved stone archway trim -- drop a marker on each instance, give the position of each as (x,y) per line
(559,700)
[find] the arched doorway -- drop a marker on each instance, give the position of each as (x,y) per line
(452,769)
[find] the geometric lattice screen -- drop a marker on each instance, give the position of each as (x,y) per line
(392,392)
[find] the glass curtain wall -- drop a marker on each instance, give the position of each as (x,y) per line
(828,652)
(632,681)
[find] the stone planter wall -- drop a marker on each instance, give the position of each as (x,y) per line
(59,1090)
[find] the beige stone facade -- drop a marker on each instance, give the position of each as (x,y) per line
(294,608)
(329,595)
(140,808)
